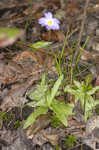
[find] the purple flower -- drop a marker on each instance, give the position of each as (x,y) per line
(49,22)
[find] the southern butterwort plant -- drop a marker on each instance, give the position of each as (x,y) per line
(49,22)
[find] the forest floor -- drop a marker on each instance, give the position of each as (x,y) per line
(71,51)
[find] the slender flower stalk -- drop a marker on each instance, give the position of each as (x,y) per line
(49,22)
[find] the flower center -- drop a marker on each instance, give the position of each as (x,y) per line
(49,22)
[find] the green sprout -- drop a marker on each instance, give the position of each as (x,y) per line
(44,100)
(84,92)
(70,140)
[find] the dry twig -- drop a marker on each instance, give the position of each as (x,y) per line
(81,31)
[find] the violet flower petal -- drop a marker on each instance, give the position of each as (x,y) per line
(48,15)
(49,22)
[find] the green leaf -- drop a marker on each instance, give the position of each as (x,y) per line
(62,110)
(93,90)
(55,88)
(70,140)
(9,35)
(90,105)
(48,96)
(41,102)
(41,44)
(96,102)
(69,90)
(88,79)
(83,91)
(39,92)
(30,120)
(77,84)
(82,100)
(43,82)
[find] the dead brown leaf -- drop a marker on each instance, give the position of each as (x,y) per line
(35,7)
(52,138)
(72,8)
(25,55)
(38,125)
(90,56)
(14,97)
(93,9)
(54,36)
(52,4)
(43,136)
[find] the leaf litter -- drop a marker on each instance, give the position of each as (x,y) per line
(21,66)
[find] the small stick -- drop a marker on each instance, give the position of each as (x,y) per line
(81,31)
